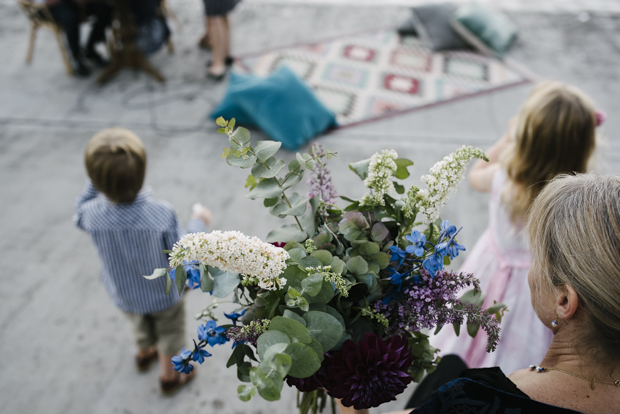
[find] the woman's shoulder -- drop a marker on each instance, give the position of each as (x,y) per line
(478,394)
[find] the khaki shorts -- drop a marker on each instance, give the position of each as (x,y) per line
(166,329)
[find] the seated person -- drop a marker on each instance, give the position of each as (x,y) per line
(574,236)
(67,13)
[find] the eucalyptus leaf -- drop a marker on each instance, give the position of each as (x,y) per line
(180,276)
(291,179)
(381,259)
(206,283)
(401,168)
(245,392)
(324,296)
(244,161)
(224,283)
(268,169)
(473,296)
(367,249)
(156,274)
(265,386)
(288,232)
(269,338)
(267,188)
(337,265)
(472,329)
(324,328)
(269,202)
(310,261)
(324,256)
(292,315)
(293,329)
(265,149)
(307,221)
(312,284)
(168,283)
(297,254)
(318,349)
(357,265)
(241,134)
(298,207)
(360,168)
(305,360)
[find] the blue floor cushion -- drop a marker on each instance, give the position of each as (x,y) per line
(282,105)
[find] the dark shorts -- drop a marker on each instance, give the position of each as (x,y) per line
(219,7)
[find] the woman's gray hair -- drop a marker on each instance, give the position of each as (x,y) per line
(574,234)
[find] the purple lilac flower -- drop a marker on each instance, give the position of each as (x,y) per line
(369,373)
(433,303)
(320,180)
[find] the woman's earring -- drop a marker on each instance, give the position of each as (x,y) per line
(554,323)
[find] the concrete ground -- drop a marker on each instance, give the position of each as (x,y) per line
(65,348)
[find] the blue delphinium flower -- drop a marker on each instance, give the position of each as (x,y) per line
(181,362)
(397,254)
(395,277)
(234,316)
(212,333)
(447,229)
(200,354)
(418,240)
(193,277)
(450,248)
(433,264)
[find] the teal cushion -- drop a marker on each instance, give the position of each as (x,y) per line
(486,29)
(282,105)
(228,108)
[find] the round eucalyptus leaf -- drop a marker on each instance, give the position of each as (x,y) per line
(269,338)
(324,328)
(293,329)
(305,361)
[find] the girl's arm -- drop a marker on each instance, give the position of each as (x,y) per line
(482,172)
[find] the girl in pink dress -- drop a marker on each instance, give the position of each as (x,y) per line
(554,133)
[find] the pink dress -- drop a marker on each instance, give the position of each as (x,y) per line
(500,260)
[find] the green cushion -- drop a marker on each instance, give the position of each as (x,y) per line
(488,30)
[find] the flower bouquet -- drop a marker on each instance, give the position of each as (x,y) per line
(336,302)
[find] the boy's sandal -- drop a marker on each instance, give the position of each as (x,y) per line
(143,363)
(170,387)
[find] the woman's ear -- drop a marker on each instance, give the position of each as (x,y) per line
(567,302)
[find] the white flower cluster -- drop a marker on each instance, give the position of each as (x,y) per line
(380,172)
(442,181)
(235,252)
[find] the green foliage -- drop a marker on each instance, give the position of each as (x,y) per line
(180,277)
(224,283)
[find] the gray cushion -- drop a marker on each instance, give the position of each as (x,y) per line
(486,29)
(432,22)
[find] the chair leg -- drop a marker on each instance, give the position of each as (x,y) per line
(63,52)
(33,36)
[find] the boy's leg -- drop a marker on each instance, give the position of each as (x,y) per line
(143,327)
(170,332)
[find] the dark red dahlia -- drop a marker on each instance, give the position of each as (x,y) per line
(369,373)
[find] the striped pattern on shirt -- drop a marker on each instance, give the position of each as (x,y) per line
(129,238)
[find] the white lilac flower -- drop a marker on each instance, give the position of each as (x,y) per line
(380,172)
(235,252)
(442,181)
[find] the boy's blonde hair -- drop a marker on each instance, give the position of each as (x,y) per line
(555,134)
(115,159)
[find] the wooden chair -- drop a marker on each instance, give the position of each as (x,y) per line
(169,14)
(40,16)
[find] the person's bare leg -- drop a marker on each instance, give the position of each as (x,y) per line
(218,37)
(204,40)
(227,30)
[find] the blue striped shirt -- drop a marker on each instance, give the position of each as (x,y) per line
(129,238)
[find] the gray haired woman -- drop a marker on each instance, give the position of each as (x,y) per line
(574,236)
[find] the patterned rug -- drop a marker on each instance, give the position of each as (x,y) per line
(370,76)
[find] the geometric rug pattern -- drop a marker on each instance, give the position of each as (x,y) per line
(368,76)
